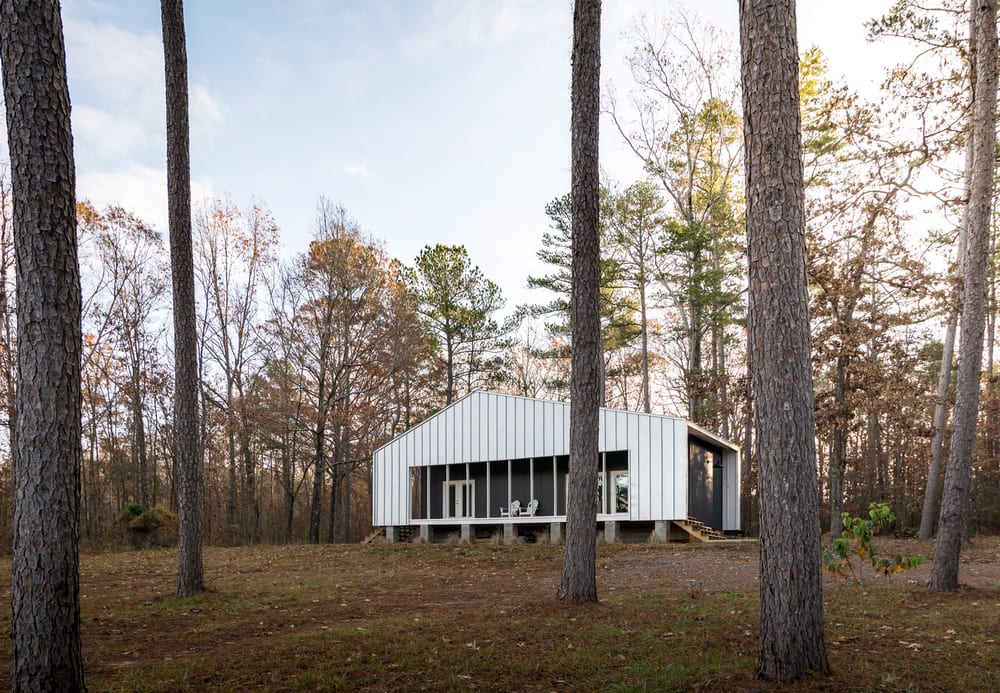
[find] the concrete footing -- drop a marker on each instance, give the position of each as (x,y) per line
(426,533)
(509,533)
(661,531)
(555,532)
(610,531)
(392,534)
(466,536)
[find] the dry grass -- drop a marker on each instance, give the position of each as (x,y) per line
(485,617)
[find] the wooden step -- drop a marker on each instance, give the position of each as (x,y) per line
(404,533)
(377,532)
(699,530)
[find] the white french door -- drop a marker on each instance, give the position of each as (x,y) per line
(460,498)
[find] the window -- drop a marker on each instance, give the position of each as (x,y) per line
(460,498)
(619,485)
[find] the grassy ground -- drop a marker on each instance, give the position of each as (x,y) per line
(484,617)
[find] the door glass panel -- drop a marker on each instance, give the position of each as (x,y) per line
(459,498)
(620,487)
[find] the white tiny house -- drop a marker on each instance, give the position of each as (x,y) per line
(502,460)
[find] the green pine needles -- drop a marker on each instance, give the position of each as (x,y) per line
(854,549)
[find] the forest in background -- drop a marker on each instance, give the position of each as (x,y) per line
(310,362)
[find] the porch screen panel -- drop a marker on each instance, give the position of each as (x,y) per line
(477,472)
(544,486)
(498,488)
(520,483)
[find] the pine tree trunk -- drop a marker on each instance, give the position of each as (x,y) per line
(940,417)
(838,447)
(791,632)
(190,572)
(579,574)
(644,318)
(319,471)
(955,496)
(45,585)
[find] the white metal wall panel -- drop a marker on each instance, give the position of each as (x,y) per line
(508,422)
(561,446)
(680,470)
(731,500)
(656,468)
(639,486)
(668,471)
(486,426)
(540,420)
(522,430)
(492,431)
(402,477)
(378,497)
(548,430)
(622,423)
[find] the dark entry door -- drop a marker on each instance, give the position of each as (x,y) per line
(705,482)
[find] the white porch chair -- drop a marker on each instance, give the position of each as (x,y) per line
(530,509)
(515,508)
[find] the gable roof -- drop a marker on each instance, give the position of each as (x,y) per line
(490,426)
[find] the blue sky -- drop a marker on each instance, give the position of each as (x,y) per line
(428,120)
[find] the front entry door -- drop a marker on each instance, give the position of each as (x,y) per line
(459,498)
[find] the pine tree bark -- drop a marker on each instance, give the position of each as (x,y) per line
(190,572)
(940,417)
(45,586)
(579,574)
(955,496)
(791,633)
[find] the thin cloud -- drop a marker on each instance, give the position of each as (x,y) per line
(359,170)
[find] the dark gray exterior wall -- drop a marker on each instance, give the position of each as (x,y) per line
(705,482)
(498,488)
(546,487)
(477,472)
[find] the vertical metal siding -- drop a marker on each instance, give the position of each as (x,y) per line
(656,471)
(487,426)
(680,470)
(562,431)
(731,499)
(540,421)
(602,432)
(621,440)
(634,480)
(377,495)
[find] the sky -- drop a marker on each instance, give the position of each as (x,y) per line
(430,121)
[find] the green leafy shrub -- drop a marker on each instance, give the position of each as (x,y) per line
(133,510)
(854,549)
